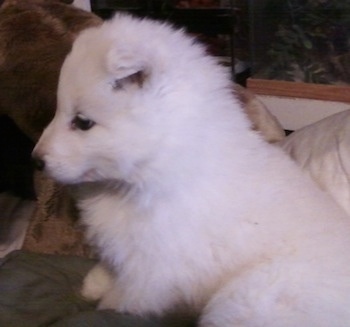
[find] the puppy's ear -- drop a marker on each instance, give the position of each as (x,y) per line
(126,67)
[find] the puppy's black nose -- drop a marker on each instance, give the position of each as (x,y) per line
(39,164)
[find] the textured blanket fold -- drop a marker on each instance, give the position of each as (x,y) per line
(42,290)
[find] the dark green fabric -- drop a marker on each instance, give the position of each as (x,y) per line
(110,318)
(38,290)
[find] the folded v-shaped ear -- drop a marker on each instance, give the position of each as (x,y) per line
(124,64)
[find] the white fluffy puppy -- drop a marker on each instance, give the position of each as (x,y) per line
(184,202)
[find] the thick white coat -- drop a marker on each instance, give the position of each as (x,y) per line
(184,202)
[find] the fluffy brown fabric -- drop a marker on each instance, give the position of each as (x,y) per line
(54,227)
(35,37)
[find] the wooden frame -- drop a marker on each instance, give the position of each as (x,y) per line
(340,93)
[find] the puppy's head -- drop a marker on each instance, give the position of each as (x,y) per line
(125,93)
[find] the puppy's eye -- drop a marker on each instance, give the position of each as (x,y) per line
(82,123)
(117,84)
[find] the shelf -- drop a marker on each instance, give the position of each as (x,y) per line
(340,93)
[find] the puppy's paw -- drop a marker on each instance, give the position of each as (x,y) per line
(111,300)
(97,283)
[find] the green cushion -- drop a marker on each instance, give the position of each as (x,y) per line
(39,290)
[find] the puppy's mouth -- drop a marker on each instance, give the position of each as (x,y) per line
(65,176)
(91,175)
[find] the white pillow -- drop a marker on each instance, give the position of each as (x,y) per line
(323,150)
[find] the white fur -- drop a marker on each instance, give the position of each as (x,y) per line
(185,203)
